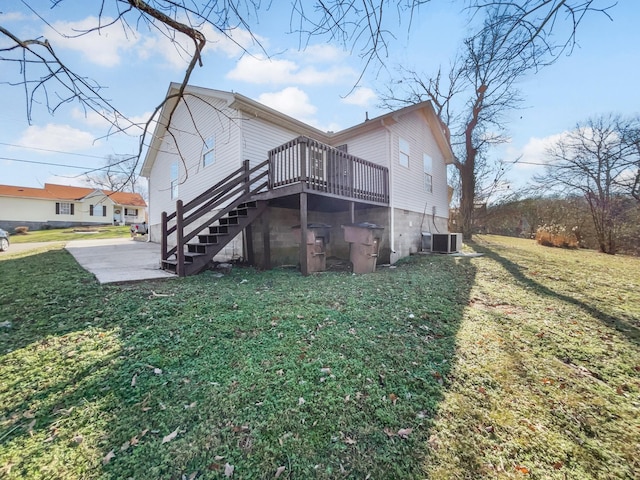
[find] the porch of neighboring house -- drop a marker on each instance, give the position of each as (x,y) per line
(309,180)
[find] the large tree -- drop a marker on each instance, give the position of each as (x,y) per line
(597,160)
(476,92)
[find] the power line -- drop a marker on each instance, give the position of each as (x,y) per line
(52,151)
(54,164)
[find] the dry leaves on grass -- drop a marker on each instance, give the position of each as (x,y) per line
(228,470)
(171,436)
(107,458)
(279,471)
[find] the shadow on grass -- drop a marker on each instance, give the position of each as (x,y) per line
(331,375)
(629,330)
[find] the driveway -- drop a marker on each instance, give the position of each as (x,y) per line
(119,260)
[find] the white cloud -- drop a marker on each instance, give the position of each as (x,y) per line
(102,47)
(261,70)
(56,137)
(535,150)
(362,97)
(7,17)
(292,101)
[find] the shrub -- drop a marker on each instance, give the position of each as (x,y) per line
(22,230)
(556,236)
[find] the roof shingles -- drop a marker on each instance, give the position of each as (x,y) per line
(51,191)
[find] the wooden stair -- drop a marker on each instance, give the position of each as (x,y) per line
(212,239)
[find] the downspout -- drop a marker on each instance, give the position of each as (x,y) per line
(391,209)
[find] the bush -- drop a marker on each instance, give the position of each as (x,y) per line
(21,230)
(556,236)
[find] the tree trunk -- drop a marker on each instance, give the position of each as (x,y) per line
(468,187)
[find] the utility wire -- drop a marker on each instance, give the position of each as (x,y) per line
(102,157)
(55,164)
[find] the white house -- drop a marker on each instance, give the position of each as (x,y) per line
(389,171)
(59,206)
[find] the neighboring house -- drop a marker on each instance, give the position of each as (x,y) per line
(59,206)
(390,171)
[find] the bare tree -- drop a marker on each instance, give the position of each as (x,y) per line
(480,87)
(593,160)
(118,175)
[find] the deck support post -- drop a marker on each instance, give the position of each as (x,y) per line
(266,240)
(304,266)
(352,211)
(180,239)
(163,238)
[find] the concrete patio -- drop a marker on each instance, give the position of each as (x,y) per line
(119,260)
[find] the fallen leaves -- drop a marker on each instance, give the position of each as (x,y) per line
(107,458)
(522,469)
(279,471)
(171,436)
(402,433)
(228,470)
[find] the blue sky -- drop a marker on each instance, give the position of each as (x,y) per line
(314,85)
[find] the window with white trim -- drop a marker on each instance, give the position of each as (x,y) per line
(403,152)
(64,208)
(174,180)
(130,212)
(209,151)
(96,211)
(427,166)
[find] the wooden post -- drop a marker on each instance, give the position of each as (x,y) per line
(163,239)
(352,211)
(180,239)
(304,266)
(245,164)
(248,245)
(266,240)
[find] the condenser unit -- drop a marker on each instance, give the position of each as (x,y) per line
(446,242)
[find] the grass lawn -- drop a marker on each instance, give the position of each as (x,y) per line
(522,363)
(75,233)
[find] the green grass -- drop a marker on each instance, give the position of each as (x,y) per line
(75,233)
(520,363)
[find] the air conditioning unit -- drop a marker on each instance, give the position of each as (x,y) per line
(446,242)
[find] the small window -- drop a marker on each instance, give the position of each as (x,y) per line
(130,212)
(96,211)
(403,157)
(208,152)
(174,180)
(427,164)
(64,208)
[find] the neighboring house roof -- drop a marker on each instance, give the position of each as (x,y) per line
(245,104)
(51,191)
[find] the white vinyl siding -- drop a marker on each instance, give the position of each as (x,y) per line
(408,184)
(175,180)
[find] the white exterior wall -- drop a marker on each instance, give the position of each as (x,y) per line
(212,118)
(370,146)
(30,209)
(407,184)
(260,136)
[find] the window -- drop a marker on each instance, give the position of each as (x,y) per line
(174,180)
(97,212)
(64,208)
(403,157)
(130,212)
(208,151)
(427,165)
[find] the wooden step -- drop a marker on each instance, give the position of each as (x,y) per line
(219,230)
(208,239)
(229,221)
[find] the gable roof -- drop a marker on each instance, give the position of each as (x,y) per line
(257,109)
(52,191)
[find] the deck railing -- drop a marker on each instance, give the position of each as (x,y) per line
(323,168)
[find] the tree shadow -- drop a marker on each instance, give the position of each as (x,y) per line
(629,330)
(223,363)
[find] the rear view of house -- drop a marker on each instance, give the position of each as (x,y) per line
(231,177)
(60,206)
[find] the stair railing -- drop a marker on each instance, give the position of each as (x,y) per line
(236,188)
